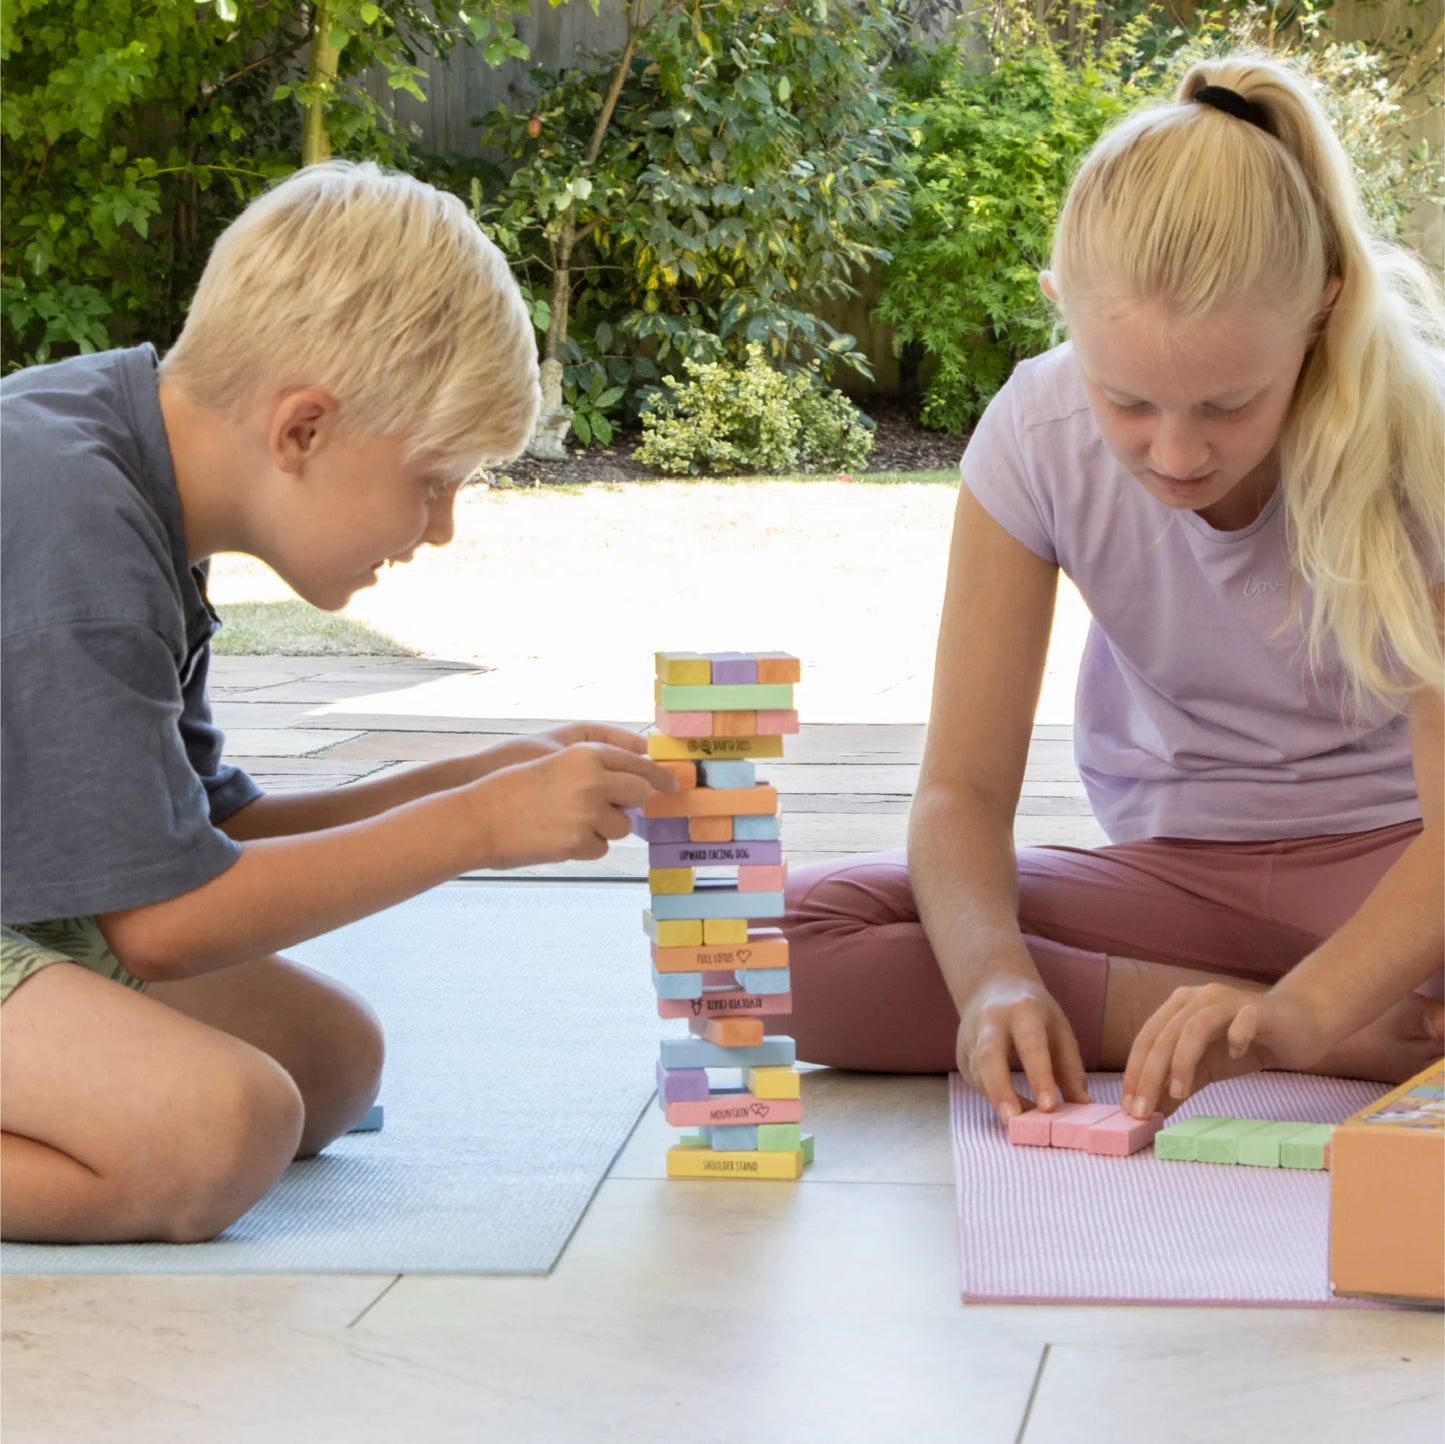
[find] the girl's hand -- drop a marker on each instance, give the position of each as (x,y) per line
(1013,1014)
(1225,1031)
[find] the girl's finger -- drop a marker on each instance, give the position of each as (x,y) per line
(1201,1029)
(1143,1047)
(1031,1043)
(1154,1066)
(1068,1064)
(992,1078)
(1242,1030)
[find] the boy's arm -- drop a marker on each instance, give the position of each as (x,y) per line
(281,891)
(288,814)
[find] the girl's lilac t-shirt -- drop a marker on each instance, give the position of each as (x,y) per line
(1197,713)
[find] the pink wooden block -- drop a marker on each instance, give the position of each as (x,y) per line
(762,877)
(725,1003)
(683,724)
(1030,1129)
(1072,1122)
(1122,1135)
(724,1108)
(774,724)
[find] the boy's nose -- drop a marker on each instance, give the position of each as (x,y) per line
(441,520)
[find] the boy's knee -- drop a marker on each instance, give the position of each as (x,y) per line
(244,1129)
(355,1053)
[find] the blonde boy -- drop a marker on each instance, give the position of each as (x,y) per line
(355,349)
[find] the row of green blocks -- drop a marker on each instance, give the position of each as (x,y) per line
(1253,1141)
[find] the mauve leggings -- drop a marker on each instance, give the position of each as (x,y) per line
(867,993)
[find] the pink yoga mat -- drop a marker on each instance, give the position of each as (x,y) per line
(1044,1225)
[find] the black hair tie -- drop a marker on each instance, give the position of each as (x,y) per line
(1231,102)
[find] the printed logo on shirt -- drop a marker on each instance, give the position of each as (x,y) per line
(1257,586)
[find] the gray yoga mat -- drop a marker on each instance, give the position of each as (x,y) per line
(521,1041)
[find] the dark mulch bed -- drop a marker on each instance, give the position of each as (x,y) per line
(899,444)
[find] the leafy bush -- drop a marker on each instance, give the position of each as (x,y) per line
(727,418)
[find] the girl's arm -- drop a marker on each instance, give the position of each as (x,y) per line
(1392,944)
(993,641)
(289,814)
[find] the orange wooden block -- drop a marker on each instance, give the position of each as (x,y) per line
(762,877)
(709,829)
(758,801)
(734,724)
(685,772)
(759,948)
(729,1032)
(779,667)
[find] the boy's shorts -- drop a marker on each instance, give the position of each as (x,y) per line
(24,951)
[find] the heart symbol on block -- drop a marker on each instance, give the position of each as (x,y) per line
(744,954)
(760,1110)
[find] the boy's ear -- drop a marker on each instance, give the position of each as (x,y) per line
(301,423)
(1048,286)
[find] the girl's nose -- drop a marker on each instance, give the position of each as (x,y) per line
(1178,450)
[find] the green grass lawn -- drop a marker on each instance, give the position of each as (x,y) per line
(297,629)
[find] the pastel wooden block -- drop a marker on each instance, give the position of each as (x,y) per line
(1030,1129)
(777,723)
(715,854)
(723,1003)
(1309,1148)
(709,829)
(724,772)
(684,1162)
(1180,1140)
(682,724)
(756,828)
(690,669)
(723,900)
(807,1148)
(732,1105)
(685,772)
(732,1136)
(657,829)
(677,1085)
(682,749)
(779,1137)
(672,932)
(733,668)
(774,1082)
(669,881)
(728,1032)
(1121,1134)
(765,981)
(779,667)
(1069,1123)
(1220,1144)
(725,699)
(372,1122)
(1260,1149)
(758,801)
(735,724)
(764,948)
(724,932)
(676,989)
(762,877)
(778,1051)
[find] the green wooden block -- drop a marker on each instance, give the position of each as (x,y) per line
(807,1148)
(1220,1144)
(693,1140)
(1261,1149)
(1178,1140)
(779,1137)
(1306,1149)
(734,697)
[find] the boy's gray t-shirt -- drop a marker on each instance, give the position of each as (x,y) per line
(113,783)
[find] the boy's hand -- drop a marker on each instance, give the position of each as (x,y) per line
(1010,1014)
(1224,1029)
(567,803)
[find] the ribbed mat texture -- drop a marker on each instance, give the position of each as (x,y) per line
(521,1040)
(1045,1225)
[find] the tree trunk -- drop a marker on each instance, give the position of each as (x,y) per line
(321,70)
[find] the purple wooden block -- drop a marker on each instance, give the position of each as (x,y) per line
(714,854)
(682,1085)
(660,829)
(730,668)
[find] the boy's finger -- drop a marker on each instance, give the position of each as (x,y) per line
(1031,1043)
(618,737)
(617,759)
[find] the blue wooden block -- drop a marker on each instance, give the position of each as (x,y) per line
(677,985)
(779,1051)
(725,1136)
(756,829)
(726,772)
(763,981)
(716,901)
(371,1123)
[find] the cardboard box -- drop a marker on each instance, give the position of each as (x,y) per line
(1387,1195)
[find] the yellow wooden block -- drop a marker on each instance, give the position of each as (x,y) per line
(722,932)
(685,772)
(672,932)
(663,748)
(779,667)
(773,1082)
(709,829)
(682,669)
(662,880)
(710,1163)
(734,724)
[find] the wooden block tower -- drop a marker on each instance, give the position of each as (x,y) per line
(717,959)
